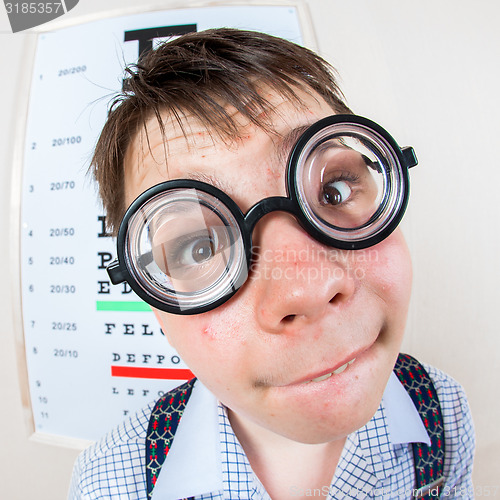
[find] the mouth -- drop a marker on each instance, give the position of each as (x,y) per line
(359,355)
(317,377)
(338,371)
(333,372)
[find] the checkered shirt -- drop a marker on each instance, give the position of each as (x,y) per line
(371,466)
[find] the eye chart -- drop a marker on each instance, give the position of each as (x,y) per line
(94,351)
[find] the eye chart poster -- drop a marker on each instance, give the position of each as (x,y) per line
(94,351)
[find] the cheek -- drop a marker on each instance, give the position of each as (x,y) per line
(388,271)
(211,344)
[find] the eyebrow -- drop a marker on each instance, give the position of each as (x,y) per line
(208,179)
(286,142)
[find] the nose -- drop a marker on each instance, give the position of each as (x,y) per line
(295,279)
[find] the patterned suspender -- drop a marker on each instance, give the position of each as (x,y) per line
(163,423)
(429,460)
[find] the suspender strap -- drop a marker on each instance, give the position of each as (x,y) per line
(161,430)
(429,460)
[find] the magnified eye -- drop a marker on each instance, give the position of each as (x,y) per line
(184,253)
(342,183)
(345,180)
(335,192)
(196,248)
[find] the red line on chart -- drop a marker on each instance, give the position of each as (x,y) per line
(156,373)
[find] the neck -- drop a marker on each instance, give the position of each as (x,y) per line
(285,467)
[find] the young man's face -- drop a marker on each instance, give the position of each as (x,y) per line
(305,311)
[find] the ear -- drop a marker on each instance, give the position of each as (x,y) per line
(159,318)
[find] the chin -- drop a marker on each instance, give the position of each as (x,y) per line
(325,428)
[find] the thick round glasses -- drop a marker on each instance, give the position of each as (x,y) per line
(185,246)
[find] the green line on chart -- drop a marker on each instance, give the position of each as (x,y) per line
(108,305)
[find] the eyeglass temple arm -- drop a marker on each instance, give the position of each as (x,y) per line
(116,273)
(409,156)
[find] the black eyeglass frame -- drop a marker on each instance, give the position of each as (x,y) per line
(119,270)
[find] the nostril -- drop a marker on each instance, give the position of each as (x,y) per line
(336,298)
(289,318)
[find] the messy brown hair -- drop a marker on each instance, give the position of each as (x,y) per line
(200,74)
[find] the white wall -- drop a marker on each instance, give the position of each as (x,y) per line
(428,71)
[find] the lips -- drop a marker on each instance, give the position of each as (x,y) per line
(338,371)
(320,376)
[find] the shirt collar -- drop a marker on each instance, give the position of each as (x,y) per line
(403,421)
(376,448)
(193,466)
(196,446)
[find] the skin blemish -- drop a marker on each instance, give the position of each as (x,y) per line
(208,332)
(274,173)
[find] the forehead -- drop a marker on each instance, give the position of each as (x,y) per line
(192,151)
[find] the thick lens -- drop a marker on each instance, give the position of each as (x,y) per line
(343,183)
(184,248)
(349,182)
